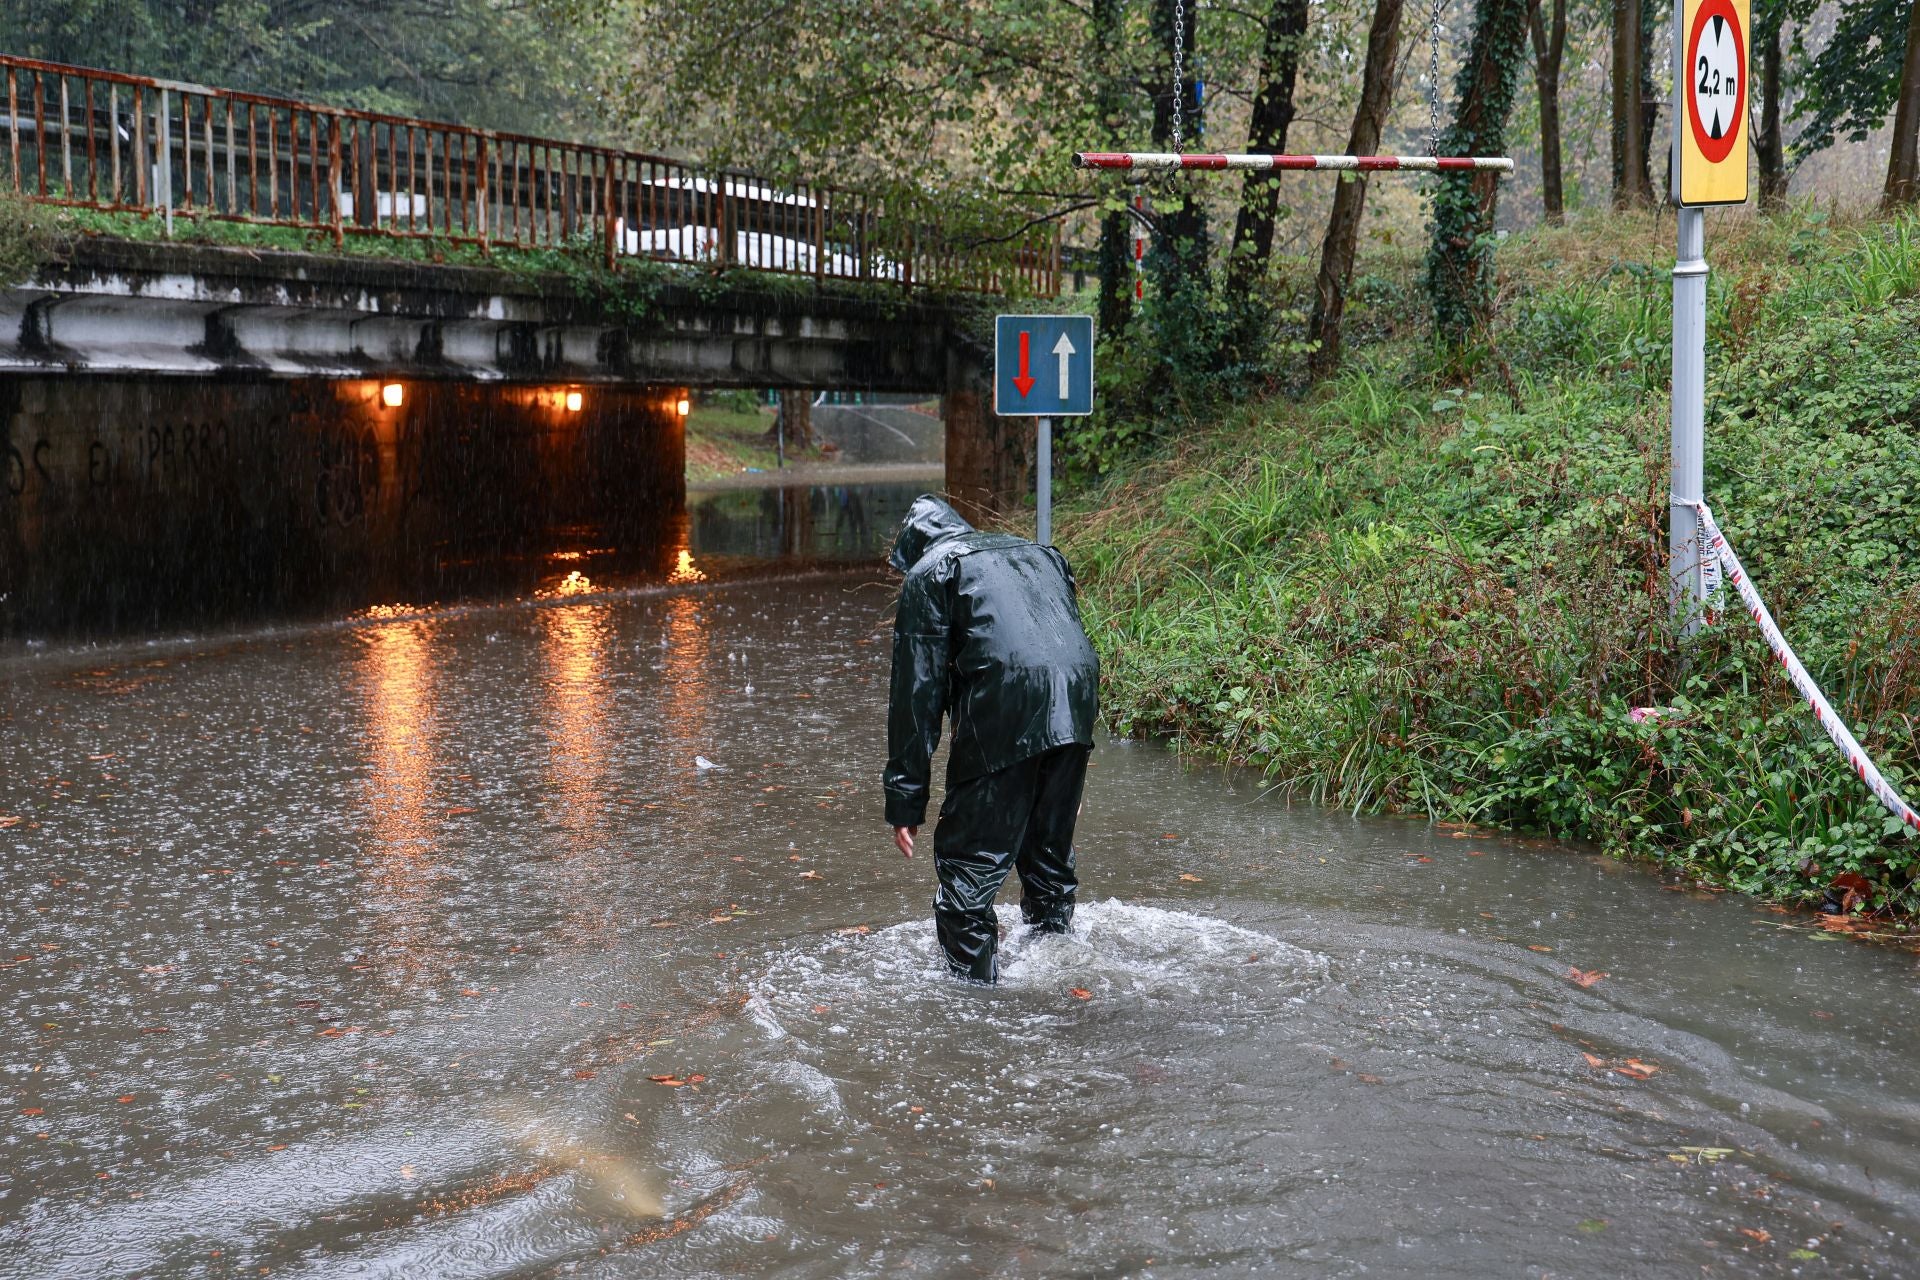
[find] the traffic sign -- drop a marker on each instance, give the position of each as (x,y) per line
(1043,366)
(1710,142)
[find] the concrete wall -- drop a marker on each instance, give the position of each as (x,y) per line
(127,502)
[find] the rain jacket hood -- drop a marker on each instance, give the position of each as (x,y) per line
(988,634)
(928,521)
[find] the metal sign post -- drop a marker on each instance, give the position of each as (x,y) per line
(1709,168)
(1022,386)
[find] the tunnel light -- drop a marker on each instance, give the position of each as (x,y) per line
(574,401)
(393,395)
(684,407)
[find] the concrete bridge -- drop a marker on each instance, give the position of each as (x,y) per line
(162,399)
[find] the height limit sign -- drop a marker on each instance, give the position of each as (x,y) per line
(1710,144)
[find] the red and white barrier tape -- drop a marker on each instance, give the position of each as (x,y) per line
(1167,161)
(1716,544)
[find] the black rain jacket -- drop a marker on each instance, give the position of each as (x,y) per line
(989,632)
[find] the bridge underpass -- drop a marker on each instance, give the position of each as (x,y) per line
(179,416)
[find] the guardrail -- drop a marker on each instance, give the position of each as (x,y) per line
(163,148)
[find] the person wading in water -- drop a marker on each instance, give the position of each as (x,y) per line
(988,632)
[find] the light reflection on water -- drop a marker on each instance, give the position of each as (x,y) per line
(387,929)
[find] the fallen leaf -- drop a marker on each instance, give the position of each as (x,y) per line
(1080,993)
(1364,1078)
(459,810)
(1189,877)
(1637,1069)
(33,1111)
(1757,1235)
(821,1008)
(124,1098)
(672,1082)
(1423,858)
(1593,1225)
(406,1171)
(1822,1014)
(811,875)
(583,1074)
(1583,977)
(1534,946)
(278,1146)
(695,1079)
(1593,1060)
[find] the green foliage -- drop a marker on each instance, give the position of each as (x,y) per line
(537,67)
(1848,87)
(30,235)
(1460,261)
(1400,595)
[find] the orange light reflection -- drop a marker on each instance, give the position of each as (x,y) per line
(397,690)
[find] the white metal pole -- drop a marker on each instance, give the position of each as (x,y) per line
(163,171)
(1684,549)
(1044,481)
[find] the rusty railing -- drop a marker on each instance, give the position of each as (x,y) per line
(166,149)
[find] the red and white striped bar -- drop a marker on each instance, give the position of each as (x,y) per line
(1168,161)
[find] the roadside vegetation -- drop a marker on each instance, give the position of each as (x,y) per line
(1405,592)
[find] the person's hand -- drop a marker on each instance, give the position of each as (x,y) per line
(903,839)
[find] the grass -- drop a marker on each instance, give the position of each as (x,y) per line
(1399,593)
(726,439)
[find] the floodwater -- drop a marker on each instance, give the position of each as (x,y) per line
(418,944)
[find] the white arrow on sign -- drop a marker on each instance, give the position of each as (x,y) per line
(1062,349)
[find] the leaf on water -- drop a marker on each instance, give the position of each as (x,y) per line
(10,820)
(1584,977)
(583,1074)
(853,929)
(1822,1014)
(278,1146)
(1637,1069)
(33,1111)
(124,1098)
(1593,1226)
(1170,836)
(1080,993)
(1756,1234)
(1534,946)
(811,875)
(1189,877)
(821,1008)
(1365,1078)
(672,1082)
(1803,1255)
(459,810)
(1423,858)
(406,1171)
(1593,1060)
(695,1079)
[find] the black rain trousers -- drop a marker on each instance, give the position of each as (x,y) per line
(1019,818)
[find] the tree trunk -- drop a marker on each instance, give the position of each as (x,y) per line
(1116,232)
(1266,131)
(1650,11)
(1769,142)
(1460,260)
(1350,195)
(1549,47)
(1903,162)
(1629,149)
(796,417)
(1181,245)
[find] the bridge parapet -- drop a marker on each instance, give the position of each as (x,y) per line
(166,149)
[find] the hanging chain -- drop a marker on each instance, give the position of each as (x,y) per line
(1433,81)
(1179,66)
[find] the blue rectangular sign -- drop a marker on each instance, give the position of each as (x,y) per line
(1043,366)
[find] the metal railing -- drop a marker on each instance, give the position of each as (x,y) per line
(166,149)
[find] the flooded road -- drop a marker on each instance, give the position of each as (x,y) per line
(418,944)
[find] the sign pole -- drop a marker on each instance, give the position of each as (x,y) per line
(1688,458)
(1043,482)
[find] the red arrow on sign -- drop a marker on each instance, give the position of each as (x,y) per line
(1023,381)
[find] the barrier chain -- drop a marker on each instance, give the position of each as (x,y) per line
(1837,730)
